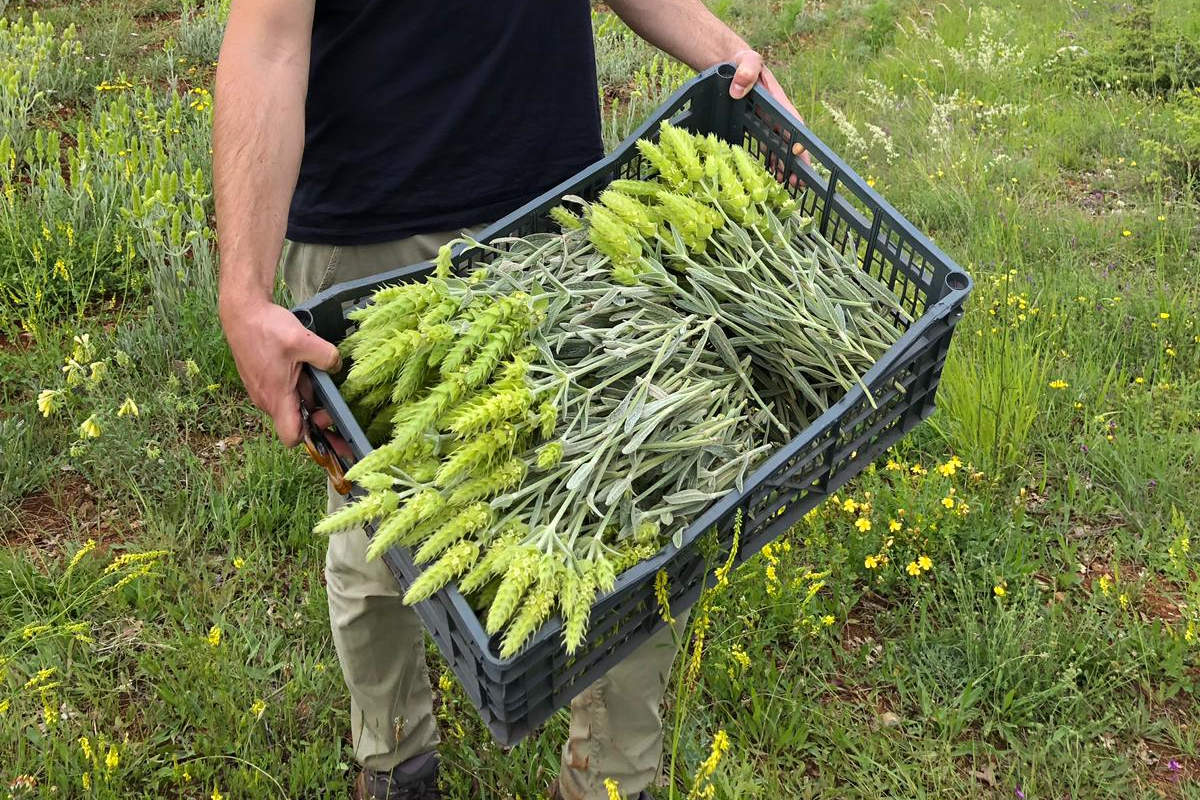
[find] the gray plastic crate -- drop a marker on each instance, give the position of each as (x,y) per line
(516,695)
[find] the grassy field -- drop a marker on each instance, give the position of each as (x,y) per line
(1007,605)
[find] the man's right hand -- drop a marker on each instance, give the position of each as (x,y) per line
(270,345)
(258,138)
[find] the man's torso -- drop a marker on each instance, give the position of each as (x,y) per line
(438,114)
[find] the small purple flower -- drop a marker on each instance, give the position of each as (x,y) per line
(1174,765)
(1152,484)
(1019,793)
(1083,448)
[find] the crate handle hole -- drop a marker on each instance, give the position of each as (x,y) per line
(726,70)
(305,317)
(956,281)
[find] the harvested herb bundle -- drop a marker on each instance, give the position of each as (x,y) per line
(561,414)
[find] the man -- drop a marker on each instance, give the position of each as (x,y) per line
(369,132)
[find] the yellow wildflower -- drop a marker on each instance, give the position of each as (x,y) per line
(99,369)
(612,787)
(1000,589)
(1059,384)
(850,506)
(89,428)
(863,524)
(1105,584)
(950,467)
(739,655)
(128,408)
(871,562)
(86,746)
(913,569)
(257,708)
(1164,315)
(4,706)
(827,619)
(30,631)
(894,526)
(1139,380)
(692,671)
(892,466)
(214,636)
(216,795)
(661,595)
(238,562)
(1127,232)
(720,746)
(925,563)
(49,707)
(1123,599)
(948,502)
(88,547)
(113,759)
(86,779)
(127,559)
(49,401)
(41,676)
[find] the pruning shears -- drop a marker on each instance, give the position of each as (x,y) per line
(321,451)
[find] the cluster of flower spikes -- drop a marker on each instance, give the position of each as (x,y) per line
(459,435)
(530,583)
(531,574)
(461,409)
(534,579)
(699,184)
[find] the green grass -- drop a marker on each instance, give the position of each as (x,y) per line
(1048,643)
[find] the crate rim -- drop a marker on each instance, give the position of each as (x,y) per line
(724,71)
(958,287)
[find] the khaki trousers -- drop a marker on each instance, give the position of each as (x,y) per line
(616,723)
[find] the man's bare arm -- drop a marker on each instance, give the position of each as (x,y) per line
(687,30)
(258,139)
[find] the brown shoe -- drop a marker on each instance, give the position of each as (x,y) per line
(415,779)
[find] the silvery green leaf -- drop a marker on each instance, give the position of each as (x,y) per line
(690,496)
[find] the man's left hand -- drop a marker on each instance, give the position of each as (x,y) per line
(751,70)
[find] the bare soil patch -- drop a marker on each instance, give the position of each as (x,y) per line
(46,521)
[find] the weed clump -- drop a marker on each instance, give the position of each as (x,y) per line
(1142,54)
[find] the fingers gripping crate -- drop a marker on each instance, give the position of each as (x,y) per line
(515,695)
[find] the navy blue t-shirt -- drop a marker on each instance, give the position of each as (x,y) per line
(432,115)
